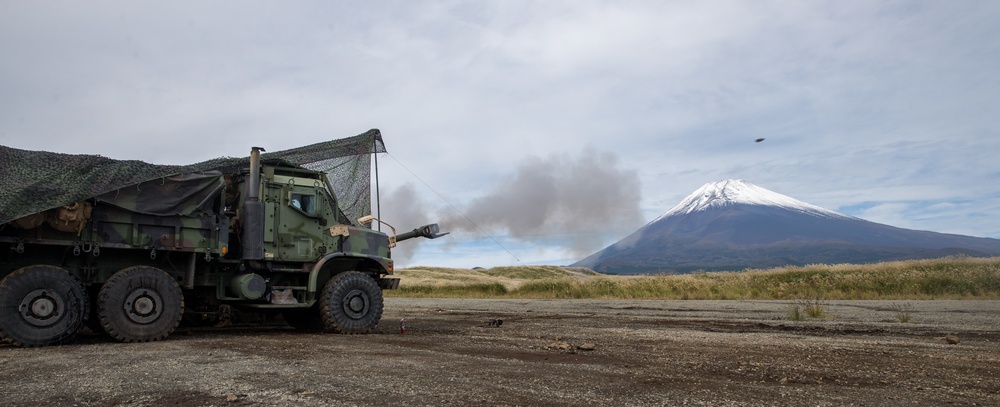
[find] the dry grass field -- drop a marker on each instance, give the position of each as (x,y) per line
(946,278)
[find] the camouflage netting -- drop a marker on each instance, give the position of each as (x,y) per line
(35,181)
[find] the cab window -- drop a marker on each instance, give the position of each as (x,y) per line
(305,203)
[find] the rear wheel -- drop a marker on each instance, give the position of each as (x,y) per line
(351,303)
(41,305)
(140,304)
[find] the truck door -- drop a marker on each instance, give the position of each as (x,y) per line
(300,220)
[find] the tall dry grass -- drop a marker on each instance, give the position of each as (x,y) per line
(947,278)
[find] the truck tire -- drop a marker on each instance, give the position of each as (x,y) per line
(140,304)
(41,305)
(351,303)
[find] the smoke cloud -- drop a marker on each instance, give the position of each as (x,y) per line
(403,208)
(576,202)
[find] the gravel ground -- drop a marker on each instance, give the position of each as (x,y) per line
(545,352)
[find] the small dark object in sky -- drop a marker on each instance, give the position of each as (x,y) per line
(759,140)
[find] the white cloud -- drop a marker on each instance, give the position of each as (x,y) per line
(860,102)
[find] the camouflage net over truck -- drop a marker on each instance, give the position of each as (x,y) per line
(36,181)
(132,249)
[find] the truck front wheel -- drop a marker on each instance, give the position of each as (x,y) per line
(41,305)
(351,303)
(140,304)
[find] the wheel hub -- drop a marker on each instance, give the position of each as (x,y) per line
(356,304)
(143,305)
(41,307)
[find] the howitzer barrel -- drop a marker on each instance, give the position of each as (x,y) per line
(431,231)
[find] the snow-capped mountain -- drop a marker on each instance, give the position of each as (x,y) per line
(734,224)
(737,191)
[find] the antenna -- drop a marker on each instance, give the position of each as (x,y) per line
(378,199)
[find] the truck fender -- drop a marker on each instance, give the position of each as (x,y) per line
(314,274)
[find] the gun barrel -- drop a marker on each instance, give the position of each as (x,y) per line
(431,231)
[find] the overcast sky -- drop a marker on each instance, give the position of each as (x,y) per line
(538,131)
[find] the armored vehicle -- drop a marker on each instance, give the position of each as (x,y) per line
(130,248)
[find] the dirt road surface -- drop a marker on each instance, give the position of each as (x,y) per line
(545,352)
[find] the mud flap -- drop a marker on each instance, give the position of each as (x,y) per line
(388,283)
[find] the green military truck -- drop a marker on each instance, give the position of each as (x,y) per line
(131,248)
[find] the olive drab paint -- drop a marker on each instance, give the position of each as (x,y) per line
(265,235)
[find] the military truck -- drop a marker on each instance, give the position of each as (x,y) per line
(130,249)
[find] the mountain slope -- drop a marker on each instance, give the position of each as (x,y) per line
(733,224)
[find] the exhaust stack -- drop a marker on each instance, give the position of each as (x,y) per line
(253,212)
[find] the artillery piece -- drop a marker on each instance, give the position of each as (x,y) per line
(130,248)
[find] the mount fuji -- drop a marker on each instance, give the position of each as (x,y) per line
(734,225)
